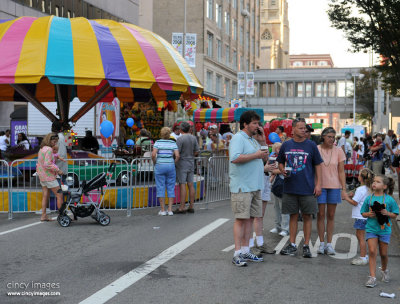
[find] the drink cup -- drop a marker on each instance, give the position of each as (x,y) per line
(64,188)
(263,148)
(271,160)
(288,171)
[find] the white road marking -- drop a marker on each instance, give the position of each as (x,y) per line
(353,246)
(313,248)
(22,227)
(119,285)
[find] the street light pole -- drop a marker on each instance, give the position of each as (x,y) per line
(360,76)
(245,15)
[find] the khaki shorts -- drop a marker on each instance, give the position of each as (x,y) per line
(51,184)
(246,204)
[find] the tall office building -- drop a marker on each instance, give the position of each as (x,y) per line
(228,37)
(274,34)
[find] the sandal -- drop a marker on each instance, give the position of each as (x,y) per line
(178,211)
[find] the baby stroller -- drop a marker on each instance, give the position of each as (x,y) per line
(80,209)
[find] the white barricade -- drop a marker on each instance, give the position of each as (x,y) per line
(5,181)
(217,182)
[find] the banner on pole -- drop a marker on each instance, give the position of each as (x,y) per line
(241,83)
(250,83)
(190,50)
(177,42)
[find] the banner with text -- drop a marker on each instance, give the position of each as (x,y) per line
(250,83)
(190,50)
(177,42)
(241,83)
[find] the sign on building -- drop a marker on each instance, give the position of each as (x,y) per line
(190,50)
(177,42)
(241,83)
(250,83)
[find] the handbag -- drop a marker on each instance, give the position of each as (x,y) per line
(277,187)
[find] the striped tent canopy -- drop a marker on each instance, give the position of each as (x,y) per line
(223,114)
(50,58)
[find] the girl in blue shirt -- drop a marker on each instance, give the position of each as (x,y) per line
(377,235)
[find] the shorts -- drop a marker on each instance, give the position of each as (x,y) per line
(184,176)
(52,184)
(292,203)
(359,224)
(246,204)
(266,193)
(330,196)
(384,238)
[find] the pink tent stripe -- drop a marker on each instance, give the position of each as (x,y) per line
(213,116)
(10,48)
(157,67)
(197,115)
(231,114)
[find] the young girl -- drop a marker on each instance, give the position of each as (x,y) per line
(375,234)
(366,177)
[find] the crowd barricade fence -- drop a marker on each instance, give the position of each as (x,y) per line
(25,190)
(132,185)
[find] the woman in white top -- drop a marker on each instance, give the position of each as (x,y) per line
(23,141)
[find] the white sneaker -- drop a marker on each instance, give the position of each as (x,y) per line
(170,213)
(283,233)
(359,261)
(385,275)
(329,250)
(321,249)
(274,230)
(162,213)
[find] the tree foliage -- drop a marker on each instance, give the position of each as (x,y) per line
(372,25)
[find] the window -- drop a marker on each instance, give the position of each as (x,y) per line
(308,89)
(258,49)
(322,63)
(227,55)
(210,9)
(266,35)
(273,2)
(252,46)
(226,89)
(43,6)
(218,15)
(297,63)
(234,89)
(227,23)
(241,35)
(210,45)
(209,81)
(234,3)
(57,12)
(299,89)
(69,14)
(309,63)
(234,29)
(332,89)
(219,50)
(241,5)
(241,63)
(218,86)
(246,43)
(234,60)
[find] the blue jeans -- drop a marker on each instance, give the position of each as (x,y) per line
(165,177)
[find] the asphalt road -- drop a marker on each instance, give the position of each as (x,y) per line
(179,259)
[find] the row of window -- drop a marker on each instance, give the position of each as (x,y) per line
(228,61)
(231,24)
(303,89)
(228,88)
(69,8)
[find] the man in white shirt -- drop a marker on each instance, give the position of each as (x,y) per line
(388,149)
(176,131)
(342,144)
(5,141)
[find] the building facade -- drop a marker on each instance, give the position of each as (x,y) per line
(311,61)
(228,38)
(274,34)
(118,10)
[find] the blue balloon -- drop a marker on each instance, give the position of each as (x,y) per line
(130,142)
(106,128)
(130,122)
(274,137)
(361,131)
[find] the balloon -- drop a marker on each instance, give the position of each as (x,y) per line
(106,128)
(361,132)
(274,137)
(130,142)
(130,122)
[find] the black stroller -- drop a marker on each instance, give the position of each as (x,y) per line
(74,202)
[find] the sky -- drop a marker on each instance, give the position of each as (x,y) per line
(310,33)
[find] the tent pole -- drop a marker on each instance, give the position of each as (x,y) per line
(37,104)
(91,103)
(63,103)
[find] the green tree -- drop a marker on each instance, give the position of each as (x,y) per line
(372,25)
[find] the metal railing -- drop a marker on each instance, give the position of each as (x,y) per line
(132,186)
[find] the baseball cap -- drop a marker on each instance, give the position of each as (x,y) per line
(309,128)
(213,127)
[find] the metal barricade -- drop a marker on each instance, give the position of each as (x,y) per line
(217,181)
(144,192)
(5,180)
(26,195)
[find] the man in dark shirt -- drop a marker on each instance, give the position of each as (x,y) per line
(300,162)
(90,143)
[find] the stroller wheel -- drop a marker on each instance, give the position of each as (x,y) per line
(104,219)
(64,220)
